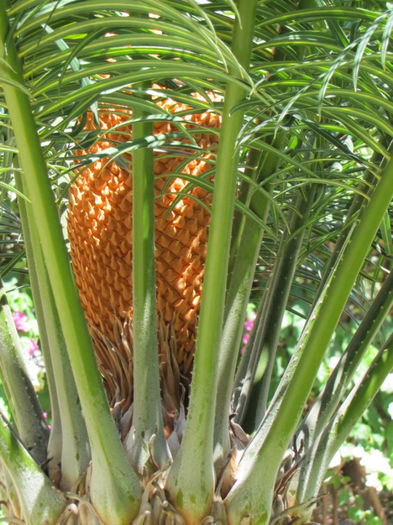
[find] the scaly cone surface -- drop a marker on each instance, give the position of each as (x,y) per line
(100,234)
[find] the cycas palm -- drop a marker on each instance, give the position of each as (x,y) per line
(301,88)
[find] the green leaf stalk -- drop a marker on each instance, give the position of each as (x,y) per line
(193,496)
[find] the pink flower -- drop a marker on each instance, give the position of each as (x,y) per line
(249,324)
(33,347)
(21,321)
(246,337)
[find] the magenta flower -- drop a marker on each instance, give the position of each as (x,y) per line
(249,323)
(21,321)
(33,347)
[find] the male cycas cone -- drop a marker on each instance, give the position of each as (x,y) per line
(100,234)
